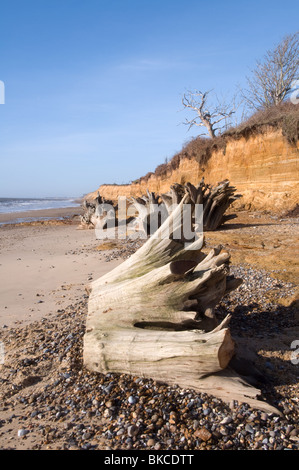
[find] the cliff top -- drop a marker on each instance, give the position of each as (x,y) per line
(284,117)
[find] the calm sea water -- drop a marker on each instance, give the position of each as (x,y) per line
(12,205)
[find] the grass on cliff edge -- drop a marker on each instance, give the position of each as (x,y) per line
(284,116)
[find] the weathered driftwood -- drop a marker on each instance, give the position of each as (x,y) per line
(97,213)
(89,210)
(148,208)
(215,201)
(153,316)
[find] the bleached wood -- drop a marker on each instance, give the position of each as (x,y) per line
(153,316)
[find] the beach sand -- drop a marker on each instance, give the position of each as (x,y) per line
(48,400)
(45,266)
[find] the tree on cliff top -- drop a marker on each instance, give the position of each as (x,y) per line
(207,115)
(274,77)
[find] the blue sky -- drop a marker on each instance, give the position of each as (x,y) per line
(93,88)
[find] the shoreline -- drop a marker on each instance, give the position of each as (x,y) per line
(40,215)
(48,400)
(45,266)
(47,253)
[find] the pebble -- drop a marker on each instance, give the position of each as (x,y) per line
(203,434)
(73,408)
(133,430)
(249,428)
(151,443)
(132,400)
(226,420)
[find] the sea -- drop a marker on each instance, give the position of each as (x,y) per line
(15,205)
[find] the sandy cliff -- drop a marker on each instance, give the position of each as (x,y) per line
(263,167)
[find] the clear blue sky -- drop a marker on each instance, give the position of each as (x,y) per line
(93,87)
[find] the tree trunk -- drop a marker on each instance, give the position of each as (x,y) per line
(148,209)
(153,316)
(215,200)
(97,213)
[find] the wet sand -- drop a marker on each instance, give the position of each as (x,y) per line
(60,213)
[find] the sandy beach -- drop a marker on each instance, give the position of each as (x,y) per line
(149,228)
(48,400)
(45,266)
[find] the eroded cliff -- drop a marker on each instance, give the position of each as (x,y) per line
(264,167)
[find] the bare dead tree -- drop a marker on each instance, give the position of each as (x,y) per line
(273,78)
(155,316)
(208,116)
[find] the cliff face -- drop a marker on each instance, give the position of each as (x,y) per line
(263,167)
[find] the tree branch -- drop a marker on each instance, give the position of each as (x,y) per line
(207,117)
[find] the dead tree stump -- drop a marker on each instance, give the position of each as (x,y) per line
(153,316)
